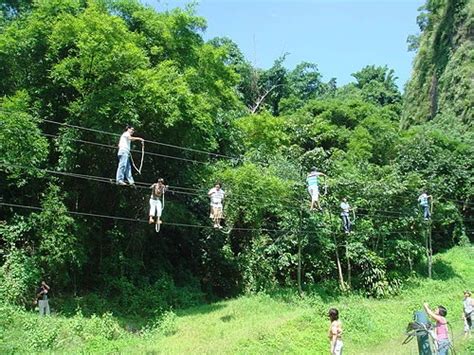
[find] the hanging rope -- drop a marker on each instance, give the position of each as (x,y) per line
(139,170)
(158,224)
(325,187)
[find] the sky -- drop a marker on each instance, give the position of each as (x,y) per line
(340,36)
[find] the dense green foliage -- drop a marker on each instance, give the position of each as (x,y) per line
(441,85)
(103,64)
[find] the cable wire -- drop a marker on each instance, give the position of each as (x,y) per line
(148,141)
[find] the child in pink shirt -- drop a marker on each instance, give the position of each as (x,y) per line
(442,338)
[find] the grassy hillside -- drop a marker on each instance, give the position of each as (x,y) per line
(280,323)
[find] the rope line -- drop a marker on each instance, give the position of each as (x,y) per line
(201,162)
(148,141)
(132,150)
(174,189)
(128,219)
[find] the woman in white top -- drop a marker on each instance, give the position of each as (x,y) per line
(216,194)
(468,308)
(335,332)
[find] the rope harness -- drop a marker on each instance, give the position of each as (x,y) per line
(158,225)
(139,170)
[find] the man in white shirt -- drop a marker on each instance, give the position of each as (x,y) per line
(424,200)
(346,222)
(124,169)
(216,194)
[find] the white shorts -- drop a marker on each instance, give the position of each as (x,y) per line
(338,348)
(314,192)
(155,207)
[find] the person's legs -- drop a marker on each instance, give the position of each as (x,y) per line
(47,308)
(42,307)
(159,209)
(346,223)
(316,197)
(443,347)
(128,172)
(122,162)
(219,217)
(338,347)
(468,324)
(152,210)
(310,191)
(314,193)
(426,212)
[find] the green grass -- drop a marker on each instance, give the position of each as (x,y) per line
(259,324)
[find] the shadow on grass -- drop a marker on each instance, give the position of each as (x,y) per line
(441,270)
(202,309)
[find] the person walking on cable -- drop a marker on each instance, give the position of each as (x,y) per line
(313,187)
(346,222)
(42,299)
(424,200)
(216,194)
(124,169)
(156,207)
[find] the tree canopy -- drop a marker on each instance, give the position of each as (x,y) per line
(74,73)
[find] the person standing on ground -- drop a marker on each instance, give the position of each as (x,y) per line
(424,200)
(42,299)
(216,194)
(335,332)
(346,221)
(313,187)
(468,308)
(124,169)
(156,207)
(441,330)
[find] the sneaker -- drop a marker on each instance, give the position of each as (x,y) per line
(151,221)
(220,227)
(122,183)
(216,226)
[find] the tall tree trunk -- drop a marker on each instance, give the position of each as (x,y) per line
(338,264)
(349,268)
(429,250)
(300,290)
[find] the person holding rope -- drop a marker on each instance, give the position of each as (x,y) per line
(441,331)
(156,207)
(468,308)
(424,200)
(346,221)
(216,194)
(313,187)
(124,169)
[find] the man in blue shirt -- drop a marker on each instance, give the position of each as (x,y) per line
(423,199)
(313,187)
